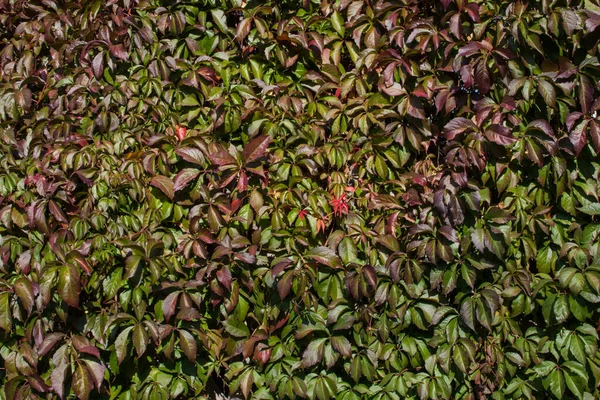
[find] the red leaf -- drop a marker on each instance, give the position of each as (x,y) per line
(222,158)
(49,342)
(169,304)
(180,132)
(165,185)
(469,49)
(256,148)
(458,126)
(191,154)
(224,277)
(284,284)
(242,184)
(184,177)
(243,29)
(96,371)
(578,136)
(595,134)
(98,65)
(58,379)
(118,51)
(543,126)
(586,93)
(76,255)
(499,134)
(483,78)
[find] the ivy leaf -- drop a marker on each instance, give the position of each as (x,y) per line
(342,345)
(169,305)
(82,382)
(58,376)
(338,23)
(188,345)
(325,256)
(314,352)
(348,251)
(140,339)
(467,313)
(500,135)
(165,185)
(121,343)
(256,148)
(96,371)
(184,177)
(69,285)
(5,313)
(556,382)
(548,92)
(236,328)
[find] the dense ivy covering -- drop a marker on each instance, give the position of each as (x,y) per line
(299,199)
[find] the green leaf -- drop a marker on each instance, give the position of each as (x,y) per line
(131,265)
(348,251)
(5,314)
(69,285)
(140,339)
(556,382)
(24,290)
(547,307)
(544,368)
(546,260)
(561,309)
(337,21)
(314,352)
(467,313)
(82,382)
(188,345)
(461,359)
(220,19)
(236,328)
(547,91)
(342,345)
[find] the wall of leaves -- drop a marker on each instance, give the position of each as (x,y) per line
(299,199)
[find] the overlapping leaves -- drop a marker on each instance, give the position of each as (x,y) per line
(299,199)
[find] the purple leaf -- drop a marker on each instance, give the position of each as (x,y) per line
(499,134)
(458,126)
(222,158)
(57,378)
(578,136)
(483,78)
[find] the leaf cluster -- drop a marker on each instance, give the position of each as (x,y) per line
(299,199)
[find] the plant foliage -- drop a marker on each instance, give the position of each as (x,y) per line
(299,199)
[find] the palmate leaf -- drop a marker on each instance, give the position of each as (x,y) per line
(333,199)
